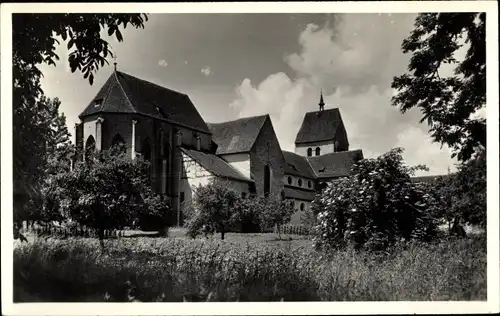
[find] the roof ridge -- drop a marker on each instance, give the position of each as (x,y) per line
(150,82)
(123,90)
(239,119)
(260,130)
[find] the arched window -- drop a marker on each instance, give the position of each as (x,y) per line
(89,148)
(282,195)
(302,206)
(289,180)
(300,182)
(146,152)
(267,180)
(309,184)
(318,150)
(118,141)
(309,152)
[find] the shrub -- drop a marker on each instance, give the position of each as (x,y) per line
(215,209)
(110,192)
(374,207)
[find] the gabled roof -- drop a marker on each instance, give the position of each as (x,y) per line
(319,126)
(298,165)
(237,136)
(216,165)
(337,164)
(123,93)
(291,193)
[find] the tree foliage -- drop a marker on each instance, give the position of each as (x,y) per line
(110,192)
(271,211)
(447,103)
(215,209)
(375,207)
(463,194)
(34,43)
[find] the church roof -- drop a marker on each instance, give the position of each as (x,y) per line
(333,165)
(123,93)
(298,165)
(319,126)
(215,165)
(237,136)
(298,194)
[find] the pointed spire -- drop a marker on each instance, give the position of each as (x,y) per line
(115,63)
(321,102)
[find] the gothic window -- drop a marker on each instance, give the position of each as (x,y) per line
(289,180)
(89,148)
(267,180)
(309,152)
(300,182)
(318,150)
(118,141)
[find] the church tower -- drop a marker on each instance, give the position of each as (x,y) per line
(322,132)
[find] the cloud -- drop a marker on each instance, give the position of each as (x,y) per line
(206,71)
(353,61)
(162,63)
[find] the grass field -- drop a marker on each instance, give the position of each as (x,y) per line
(244,267)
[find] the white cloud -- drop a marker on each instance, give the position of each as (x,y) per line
(162,63)
(206,71)
(354,62)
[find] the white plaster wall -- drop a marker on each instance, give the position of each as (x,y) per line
(89,129)
(195,175)
(326,147)
(240,162)
(295,182)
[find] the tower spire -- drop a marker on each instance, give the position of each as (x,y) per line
(321,102)
(115,63)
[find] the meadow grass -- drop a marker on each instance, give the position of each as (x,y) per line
(244,267)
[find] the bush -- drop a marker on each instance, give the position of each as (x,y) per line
(110,192)
(215,207)
(375,207)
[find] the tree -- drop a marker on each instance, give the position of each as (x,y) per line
(216,209)
(34,40)
(110,193)
(375,206)
(272,211)
(447,103)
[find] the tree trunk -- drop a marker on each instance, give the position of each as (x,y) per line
(222,232)
(100,234)
(279,231)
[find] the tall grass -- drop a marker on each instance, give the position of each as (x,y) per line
(169,269)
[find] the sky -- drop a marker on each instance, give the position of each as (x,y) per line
(238,65)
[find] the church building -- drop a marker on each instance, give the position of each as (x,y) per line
(165,127)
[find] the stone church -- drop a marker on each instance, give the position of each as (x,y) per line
(165,127)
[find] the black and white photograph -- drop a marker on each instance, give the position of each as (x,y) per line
(156,153)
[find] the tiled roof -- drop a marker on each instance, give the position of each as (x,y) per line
(237,136)
(337,164)
(298,165)
(298,194)
(319,126)
(123,93)
(215,165)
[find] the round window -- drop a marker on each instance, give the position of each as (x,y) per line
(289,180)
(300,182)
